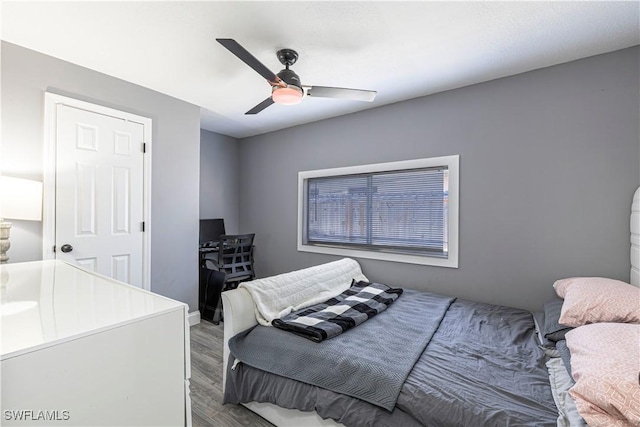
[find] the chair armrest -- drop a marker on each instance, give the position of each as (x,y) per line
(239,315)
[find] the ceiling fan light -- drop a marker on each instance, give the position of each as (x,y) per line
(290,95)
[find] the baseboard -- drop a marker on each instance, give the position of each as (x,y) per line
(194,318)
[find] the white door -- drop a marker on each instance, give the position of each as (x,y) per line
(99,193)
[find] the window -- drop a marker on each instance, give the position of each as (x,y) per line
(400,211)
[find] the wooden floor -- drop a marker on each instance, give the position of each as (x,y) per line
(206,383)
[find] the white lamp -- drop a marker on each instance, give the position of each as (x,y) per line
(19,199)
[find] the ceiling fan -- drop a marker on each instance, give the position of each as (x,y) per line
(286,87)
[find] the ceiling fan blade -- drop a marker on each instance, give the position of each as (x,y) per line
(341,93)
(264,104)
(244,55)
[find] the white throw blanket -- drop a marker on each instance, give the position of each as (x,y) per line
(277,296)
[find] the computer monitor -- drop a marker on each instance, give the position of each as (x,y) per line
(211,229)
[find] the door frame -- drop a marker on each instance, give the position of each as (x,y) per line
(51,101)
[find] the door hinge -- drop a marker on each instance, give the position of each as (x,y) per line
(54,249)
(142,226)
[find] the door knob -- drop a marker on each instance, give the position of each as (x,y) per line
(66,248)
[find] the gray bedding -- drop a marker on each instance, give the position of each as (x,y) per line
(482,367)
(343,364)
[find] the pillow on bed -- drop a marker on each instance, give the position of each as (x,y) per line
(553,330)
(605,360)
(596,299)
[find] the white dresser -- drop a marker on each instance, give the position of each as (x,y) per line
(82,349)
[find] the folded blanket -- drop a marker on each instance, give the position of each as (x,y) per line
(277,296)
(360,302)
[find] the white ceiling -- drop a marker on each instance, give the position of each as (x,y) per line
(401,49)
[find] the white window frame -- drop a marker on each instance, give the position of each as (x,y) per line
(451,162)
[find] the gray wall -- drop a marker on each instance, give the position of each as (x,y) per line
(26,75)
(220,179)
(548,168)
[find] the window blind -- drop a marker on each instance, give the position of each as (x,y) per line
(398,211)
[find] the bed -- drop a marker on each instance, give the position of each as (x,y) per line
(469,363)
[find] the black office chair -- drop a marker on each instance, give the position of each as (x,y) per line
(234,265)
(210,232)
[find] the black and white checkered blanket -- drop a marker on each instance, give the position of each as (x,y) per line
(326,320)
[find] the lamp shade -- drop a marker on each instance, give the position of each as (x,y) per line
(20,199)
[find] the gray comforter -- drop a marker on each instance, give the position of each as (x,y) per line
(482,367)
(351,363)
